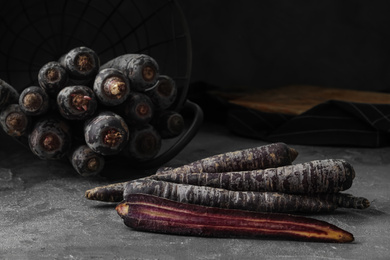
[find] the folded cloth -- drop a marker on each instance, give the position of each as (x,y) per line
(327,121)
(335,123)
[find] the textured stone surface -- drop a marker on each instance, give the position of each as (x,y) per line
(44,215)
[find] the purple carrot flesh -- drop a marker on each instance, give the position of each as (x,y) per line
(319,176)
(155,214)
(262,157)
(221,198)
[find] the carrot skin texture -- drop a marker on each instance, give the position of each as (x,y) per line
(14,121)
(344,200)
(114,193)
(137,109)
(34,101)
(134,66)
(52,77)
(80,110)
(169,123)
(107,193)
(106,133)
(221,198)
(101,83)
(262,157)
(85,161)
(319,176)
(155,214)
(164,94)
(50,138)
(80,74)
(8,94)
(144,143)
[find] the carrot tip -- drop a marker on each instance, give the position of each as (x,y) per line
(122,209)
(88,194)
(346,238)
(365,203)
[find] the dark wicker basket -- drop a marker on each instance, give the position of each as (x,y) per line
(33,33)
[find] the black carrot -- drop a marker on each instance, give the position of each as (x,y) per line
(86,162)
(164,94)
(8,94)
(262,157)
(52,77)
(107,193)
(141,69)
(50,138)
(34,101)
(106,133)
(344,200)
(222,198)
(155,214)
(111,87)
(169,123)
(82,64)
(76,102)
(14,120)
(144,143)
(319,176)
(137,109)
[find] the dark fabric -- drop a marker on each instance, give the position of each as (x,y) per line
(335,123)
(332,123)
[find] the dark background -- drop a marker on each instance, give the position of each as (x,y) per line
(251,44)
(263,44)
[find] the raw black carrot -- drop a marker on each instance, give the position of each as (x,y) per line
(86,162)
(76,102)
(50,138)
(164,94)
(169,123)
(141,69)
(319,176)
(8,94)
(34,101)
(52,77)
(155,214)
(262,157)
(144,143)
(107,193)
(137,109)
(14,121)
(344,200)
(82,64)
(111,87)
(106,133)
(221,198)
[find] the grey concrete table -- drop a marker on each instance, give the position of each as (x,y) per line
(44,214)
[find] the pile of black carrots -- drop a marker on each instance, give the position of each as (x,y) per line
(250,193)
(86,112)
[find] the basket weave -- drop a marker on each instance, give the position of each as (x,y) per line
(33,33)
